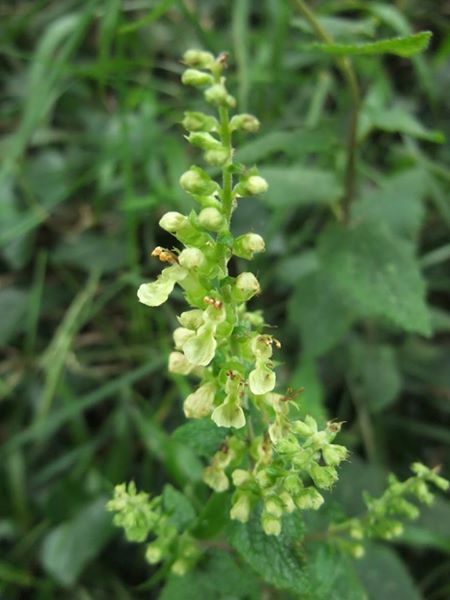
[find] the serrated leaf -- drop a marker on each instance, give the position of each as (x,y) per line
(377,271)
(276,559)
(374,374)
(178,508)
(202,436)
(398,120)
(395,582)
(321,312)
(68,548)
(297,186)
(398,202)
(219,578)
(404,46)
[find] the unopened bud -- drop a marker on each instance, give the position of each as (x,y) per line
(309,498)
(198,58)
(254,185)
(198,121)
(270,524)
(240,511)
(244,122)
(217,157)
(204,140)
(196,78)
(172,221)
(333,454)
(246,286)
(240,476)
(211,218)
(191,319)
(196,181)
(154,553)
(218,95)
(247,245)
(191,258)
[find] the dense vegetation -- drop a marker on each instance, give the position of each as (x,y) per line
(355,275)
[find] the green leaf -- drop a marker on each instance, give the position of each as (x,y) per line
(277,559)
(321,312)
(400,46)
(431,529)
(91,251)
(374,374)
(312,401)
(296,186)
(219,578)
(398,202)
(384,575)
(68,548)
(201,435)
(377,271)
(13,304)
(398,120)
(178,507)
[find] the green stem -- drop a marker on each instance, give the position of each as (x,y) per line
(227,177)
(349,74)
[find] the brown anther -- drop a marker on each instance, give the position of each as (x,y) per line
(212,302)
(165,255)
(292,394)
(334,426)
(222,59)
(224,448)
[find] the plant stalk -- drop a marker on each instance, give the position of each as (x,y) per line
(349,75)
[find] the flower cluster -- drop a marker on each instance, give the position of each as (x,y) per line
(141,516)
(220,342)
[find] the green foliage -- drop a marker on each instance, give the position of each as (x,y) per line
(93,153)
(401,46)
(377,272)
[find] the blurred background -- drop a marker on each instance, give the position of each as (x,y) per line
(92,151)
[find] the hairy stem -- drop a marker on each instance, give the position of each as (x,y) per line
(348,73)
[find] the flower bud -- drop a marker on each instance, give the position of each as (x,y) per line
(154,553)
(252,186)
(309,498)
(244,122)
(270,524)
(198,121)
(216,479)
(323,477)
(245,287)
(357,551)
(333,454)
(218,95)
(217,157)
(211,218)
(172,221)
(204,140)
(288,502)
(196,181)
(191,258)
(273,506)
(180,567)
(240,511)
(200,403)
(196,78)
(245,246)
(199,59)
(240,476)
(179,364)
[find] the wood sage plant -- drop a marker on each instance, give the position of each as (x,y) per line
(271,462)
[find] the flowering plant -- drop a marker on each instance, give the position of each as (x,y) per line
(270,462)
